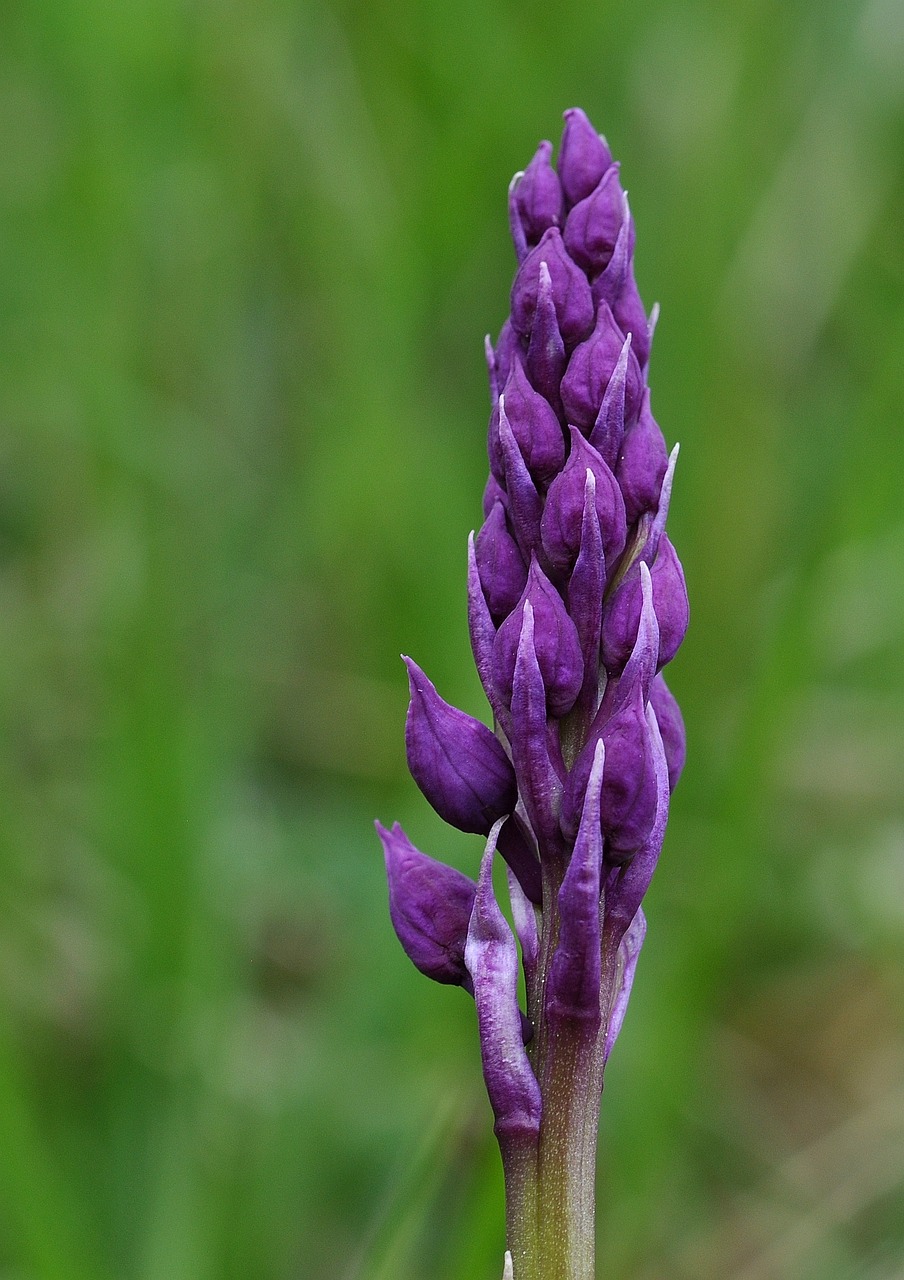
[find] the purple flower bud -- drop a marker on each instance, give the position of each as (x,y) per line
(555,640)
(503,572)
(631,318)
(630,796)
(546,359)
(594,223)
(671,726)
(570,290)
(430,906)
(536,200)
(629,788)
(560,527)
(589,370)
(583,157)
(642,463)
(491,956)
(493,493)
(608,285)
(621,613)
(456,761)
(534,425)
(624,896)
(573,990)
(508,348)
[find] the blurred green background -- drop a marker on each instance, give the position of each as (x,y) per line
(248,253)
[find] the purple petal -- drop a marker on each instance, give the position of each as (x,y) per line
(493,492)
(573,988)
(430,906)
(457,762)
(593,225)
(626,965)
(503,572)
(536,201)
(591,366)
(491,956)
(583,156)
(556,641)
(570,290)
(671,726)
(561,524)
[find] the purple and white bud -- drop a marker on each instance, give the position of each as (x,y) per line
(570,290)
(555,641)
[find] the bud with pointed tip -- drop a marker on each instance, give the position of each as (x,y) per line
(560,527)
(456,761)
(534,425)
(590,369)
(621,612)
(570,290)
(594,223)
(583,157)
(555,640)
(430,906)
(503,572)
(642,462)
(537,201)
(671,726)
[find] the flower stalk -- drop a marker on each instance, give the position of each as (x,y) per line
(576,601)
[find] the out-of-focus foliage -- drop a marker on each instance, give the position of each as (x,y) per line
(248,252)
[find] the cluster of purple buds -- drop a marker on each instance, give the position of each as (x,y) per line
(576,601)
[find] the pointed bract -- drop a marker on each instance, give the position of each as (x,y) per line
(491,956)
(626,965)
(534,425)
